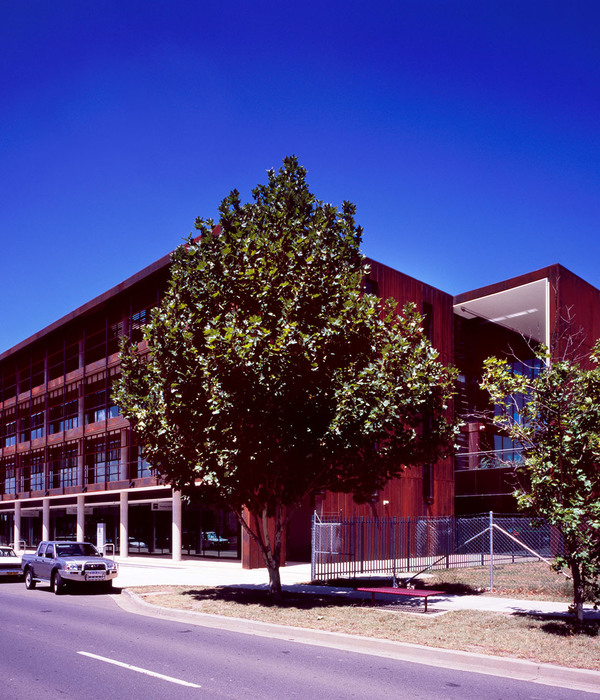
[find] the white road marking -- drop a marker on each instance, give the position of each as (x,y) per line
(139,670)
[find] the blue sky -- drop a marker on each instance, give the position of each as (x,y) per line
(466,132)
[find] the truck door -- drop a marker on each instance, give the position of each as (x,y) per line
(43,565)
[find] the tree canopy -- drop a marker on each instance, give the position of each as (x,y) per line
(554,418)
(272,374)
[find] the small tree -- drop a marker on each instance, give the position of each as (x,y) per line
(270,374)
(555,418)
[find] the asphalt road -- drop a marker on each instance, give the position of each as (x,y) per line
(84,645)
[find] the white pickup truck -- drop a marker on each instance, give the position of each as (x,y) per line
(62,563)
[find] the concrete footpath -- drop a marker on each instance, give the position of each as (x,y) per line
(150,571)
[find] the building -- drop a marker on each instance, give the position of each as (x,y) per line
(510,319)
(70,466)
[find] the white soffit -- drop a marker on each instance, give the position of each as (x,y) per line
(523,309)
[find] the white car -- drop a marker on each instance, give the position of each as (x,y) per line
(10,563)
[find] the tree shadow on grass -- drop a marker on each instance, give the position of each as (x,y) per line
(567,628)
(564,626)
(262,598)
(452,588)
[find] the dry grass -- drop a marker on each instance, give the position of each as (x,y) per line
(532,580)
(542,640)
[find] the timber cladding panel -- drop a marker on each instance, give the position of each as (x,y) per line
(576,304)
(401,497)
(428,299)
(404,496)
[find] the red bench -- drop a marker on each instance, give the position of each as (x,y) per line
(411,592)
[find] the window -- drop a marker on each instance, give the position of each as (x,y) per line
(8,476)
(9,428)
(63,357)
(103,458)
(95,346)
(63,465)
(32,419)
(99,405)
(63,413)
(24,378)
(529,369)
(140,468)
(115,331)
(137,322)
(24,413)
(36,471)
(9,384)
(38,372)
(37,425)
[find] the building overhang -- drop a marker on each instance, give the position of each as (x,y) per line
(523,309)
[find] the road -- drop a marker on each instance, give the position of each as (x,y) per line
(84,645)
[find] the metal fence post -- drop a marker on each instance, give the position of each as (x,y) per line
(408,544)
(394,551)
(313,549)
(449,525)
(491,550)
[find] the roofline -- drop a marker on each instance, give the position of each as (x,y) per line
(550,271)
(90,306)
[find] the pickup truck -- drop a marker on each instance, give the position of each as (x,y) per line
(61,563)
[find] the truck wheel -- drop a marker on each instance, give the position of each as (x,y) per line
(57,584)
(29,580)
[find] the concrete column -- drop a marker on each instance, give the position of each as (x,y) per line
(176,530)
(46,519)
(124,524)
(80,517)
(17,526)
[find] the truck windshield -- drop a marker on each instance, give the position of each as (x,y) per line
(76,549)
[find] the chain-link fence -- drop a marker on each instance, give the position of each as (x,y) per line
(397,547)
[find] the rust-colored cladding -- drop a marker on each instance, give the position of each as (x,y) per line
(404,497)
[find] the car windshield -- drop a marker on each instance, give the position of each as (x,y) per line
(76,549)
(7,553)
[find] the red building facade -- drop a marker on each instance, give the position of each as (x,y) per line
(70,466)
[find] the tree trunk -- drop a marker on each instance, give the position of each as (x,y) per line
(272,552)
(270,548)
(274,581)
(577,595)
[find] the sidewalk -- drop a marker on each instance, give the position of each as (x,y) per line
(150,571)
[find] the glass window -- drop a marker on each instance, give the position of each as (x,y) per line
(140,468)
(103,459)
(36,471)
(10,433)
(8,476)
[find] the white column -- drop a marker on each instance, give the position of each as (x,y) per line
(46,519)
(17,526)
(80,517)
(176,529)
(124,524)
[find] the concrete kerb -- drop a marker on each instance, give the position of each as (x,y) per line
(138,572)
(506,667)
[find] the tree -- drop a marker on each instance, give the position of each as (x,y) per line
(271,374)
(554,418)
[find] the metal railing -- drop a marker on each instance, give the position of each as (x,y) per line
(351,547)
(490,459)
